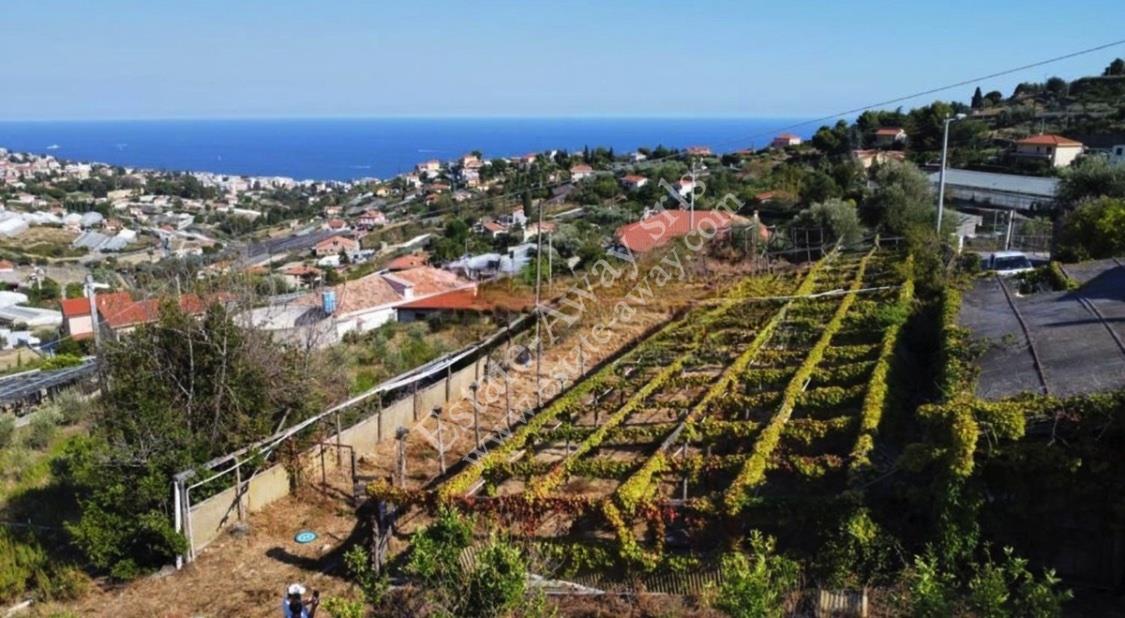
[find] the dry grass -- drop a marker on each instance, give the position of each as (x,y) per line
(245,576)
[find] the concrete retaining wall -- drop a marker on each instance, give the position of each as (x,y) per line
(209,517)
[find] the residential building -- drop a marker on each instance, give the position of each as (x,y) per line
(874,156)
(886,137)
(1117,154)
(684,186)
(661,228)
(581,171)
(1059,150)
(785,140)
(333,245)
(371,219)
(300,276)
(76,320)
(634,182)
(698,151)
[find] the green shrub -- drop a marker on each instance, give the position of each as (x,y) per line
(42,429)
(71,407)
(498,582)
(7,430)
(26,566)
(358,563)
(339,607)
(757,585)
(930,590)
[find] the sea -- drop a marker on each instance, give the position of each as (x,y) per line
(348,149)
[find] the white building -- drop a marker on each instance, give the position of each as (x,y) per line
(1059,150)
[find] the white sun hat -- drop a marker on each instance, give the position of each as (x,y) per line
(296,589)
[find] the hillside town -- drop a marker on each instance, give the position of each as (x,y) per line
(816,375)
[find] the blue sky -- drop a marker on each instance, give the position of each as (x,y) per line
(77,59)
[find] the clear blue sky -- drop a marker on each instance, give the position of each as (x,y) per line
(84,59)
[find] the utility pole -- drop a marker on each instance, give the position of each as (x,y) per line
(1008,235)
(550,263)
(538,313)
(91,288)
(691,198)
(941,173)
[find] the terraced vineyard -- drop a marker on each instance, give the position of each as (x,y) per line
(753,413)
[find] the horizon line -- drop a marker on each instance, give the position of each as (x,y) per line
(418,117)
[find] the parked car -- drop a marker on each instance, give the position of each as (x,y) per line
(1008,263)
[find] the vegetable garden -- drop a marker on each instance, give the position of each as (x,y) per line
(758,412)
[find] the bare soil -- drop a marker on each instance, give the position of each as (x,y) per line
(245,574)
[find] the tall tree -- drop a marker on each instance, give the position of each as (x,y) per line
(978,99)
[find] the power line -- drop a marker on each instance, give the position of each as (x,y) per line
(822,119)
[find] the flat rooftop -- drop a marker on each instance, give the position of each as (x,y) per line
(1006,183)
(1077,335)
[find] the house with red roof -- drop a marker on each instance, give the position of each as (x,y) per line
(118,312)
(301,276)
(886,137)
(333,245)
(633,182)
(6,266)
(699,151)
(581,171)
(785,140)
(1060,151)
(371,219)
(360,305)
(463,300)
(77,323)
(666,226)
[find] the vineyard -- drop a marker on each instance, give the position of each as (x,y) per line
(759,411)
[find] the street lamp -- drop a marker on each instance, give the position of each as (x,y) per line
(941,174)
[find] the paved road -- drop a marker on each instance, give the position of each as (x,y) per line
(1077,351)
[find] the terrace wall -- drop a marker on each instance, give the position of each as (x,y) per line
(208,518)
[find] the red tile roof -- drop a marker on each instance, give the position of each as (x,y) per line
(457,300)
(664,227)
(364,293)
(76,307)
(888,131)
(633,178)
(1046,139)
(147,310)
(412,260)
(427,280)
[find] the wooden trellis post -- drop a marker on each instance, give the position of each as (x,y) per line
(474,387)
(440,439)
(400,436)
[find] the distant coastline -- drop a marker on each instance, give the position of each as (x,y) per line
(348,149)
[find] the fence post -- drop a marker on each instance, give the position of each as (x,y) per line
(339,456)
(476,414)
(238,488)
(440,440)
(400,435)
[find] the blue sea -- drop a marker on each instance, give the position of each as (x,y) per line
(345,149)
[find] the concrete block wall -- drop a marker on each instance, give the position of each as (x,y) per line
(210,517)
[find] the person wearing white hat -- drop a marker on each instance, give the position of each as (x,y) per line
(293,607)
